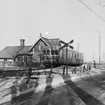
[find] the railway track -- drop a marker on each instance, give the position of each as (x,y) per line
(96,80)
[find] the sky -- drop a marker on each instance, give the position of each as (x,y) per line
(64,19)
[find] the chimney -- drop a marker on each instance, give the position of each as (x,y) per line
(40,34)
(22,42)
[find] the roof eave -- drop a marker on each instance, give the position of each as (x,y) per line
(6,58)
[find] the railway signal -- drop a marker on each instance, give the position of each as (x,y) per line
(66,45)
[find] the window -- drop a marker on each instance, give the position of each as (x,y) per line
(80,56)
(19,58)
(44,51)
(52,52)
(25,58)
(48,52)
(22,58)
(70,54)
(41,47)
(75,56)
(56,52)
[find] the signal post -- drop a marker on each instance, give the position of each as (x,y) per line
(66,45)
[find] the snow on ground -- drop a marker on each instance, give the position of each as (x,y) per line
(7,83)
(57,80)
(41,83)
(39,91)
(92,72)
(12,88)
(6,99)
(99,71)
(5,89)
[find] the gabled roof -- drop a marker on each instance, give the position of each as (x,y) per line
(52,42)
(11,51)
(48,42)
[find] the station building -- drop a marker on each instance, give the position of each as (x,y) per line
(23,55)
(46,45)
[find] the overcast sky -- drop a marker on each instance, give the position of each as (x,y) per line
(64,19)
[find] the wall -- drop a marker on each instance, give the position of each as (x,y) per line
(7,62)
(23,60)
(37,50)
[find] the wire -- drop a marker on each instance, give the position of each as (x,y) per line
(92,11)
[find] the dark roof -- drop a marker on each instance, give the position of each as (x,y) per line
(46,40)
(11,51)
(25,50)
(49,42)
(52,42)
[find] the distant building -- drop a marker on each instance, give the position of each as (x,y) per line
(16,55)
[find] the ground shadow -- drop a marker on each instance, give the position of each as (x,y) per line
(87,98)
(26,95)
(48,91)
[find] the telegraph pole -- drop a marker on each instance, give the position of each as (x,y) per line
(78,47)
(66,59)
(103,57)
(99,48)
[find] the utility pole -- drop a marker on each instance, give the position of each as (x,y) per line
(103,57)
(66,59)
(99,48)
(78,47)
